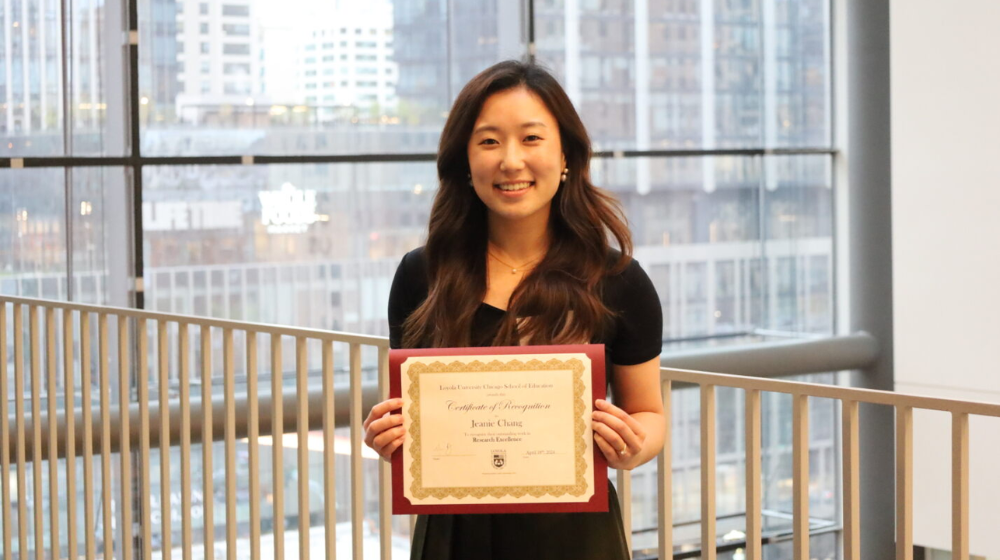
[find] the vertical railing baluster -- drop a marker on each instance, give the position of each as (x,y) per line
(105,391)
(357,484)
(184,368)
(800,476)
(162,372)
(105,398)
(959,486)
(852,480)
(20,454)
(4,437)
(277,448)
(89,523)
(70,445)
(904,483)
(664,482)
(36,430)
(384,471)
(141,333)
(208,490)
(753,474)
(708,531)
(623,483)
(254,436)
(229,388)
(124,449)
(302,425)
(329,453)
(51,371)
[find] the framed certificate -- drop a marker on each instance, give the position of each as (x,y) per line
(498,430)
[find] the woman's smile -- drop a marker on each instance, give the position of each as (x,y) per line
(514,187)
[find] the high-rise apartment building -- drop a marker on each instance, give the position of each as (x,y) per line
(219,51)
(344,65)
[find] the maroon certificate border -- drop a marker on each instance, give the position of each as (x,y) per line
(597,503)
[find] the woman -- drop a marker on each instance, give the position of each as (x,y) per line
(518,253)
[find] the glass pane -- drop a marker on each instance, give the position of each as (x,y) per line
(799,231)
(92,229)
(30,87)
(695,225)
(311,76)
(32,113)
(33,233)
(709,75)
(305,245)
(799,80)
(590,48)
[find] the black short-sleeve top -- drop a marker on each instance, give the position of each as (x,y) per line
(634,336)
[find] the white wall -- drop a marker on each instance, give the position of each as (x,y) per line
(945,59)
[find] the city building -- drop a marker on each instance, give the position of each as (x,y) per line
(345,68)
(219,54)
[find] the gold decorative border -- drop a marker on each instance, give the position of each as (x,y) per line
(418,491)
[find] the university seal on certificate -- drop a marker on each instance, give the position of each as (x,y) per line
(498,430)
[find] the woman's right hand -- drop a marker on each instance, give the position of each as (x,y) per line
(384,432)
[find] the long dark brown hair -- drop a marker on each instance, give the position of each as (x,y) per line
(582,220)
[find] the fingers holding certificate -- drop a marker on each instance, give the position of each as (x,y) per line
(619,436)
(493,430)
(383,430)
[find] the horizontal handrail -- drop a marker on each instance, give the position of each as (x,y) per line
(872,396)
(782,358)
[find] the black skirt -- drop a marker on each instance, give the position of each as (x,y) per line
(523,536)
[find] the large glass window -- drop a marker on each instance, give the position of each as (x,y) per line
(711,122)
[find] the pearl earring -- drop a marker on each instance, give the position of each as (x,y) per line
(565,173)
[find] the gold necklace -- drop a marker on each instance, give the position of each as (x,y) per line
(513,269)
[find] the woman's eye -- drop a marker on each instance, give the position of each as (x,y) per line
(533,138)
(488,142)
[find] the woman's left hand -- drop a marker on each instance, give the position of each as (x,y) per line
(619,436)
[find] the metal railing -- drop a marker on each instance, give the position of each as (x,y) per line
(850,399)
(150,426)
(140,422)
